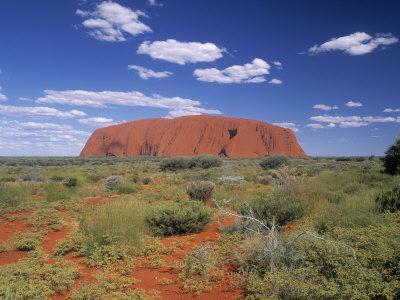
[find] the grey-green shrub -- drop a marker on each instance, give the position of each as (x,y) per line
(200,190)
(273,162)
(176,163)
(179,218)
(112,181)
(70,182)
(389,200)
(207,161)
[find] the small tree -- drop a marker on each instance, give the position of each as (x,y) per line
(391,161)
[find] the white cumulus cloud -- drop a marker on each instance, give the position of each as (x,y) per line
(39,111)
(391,110)
(278,64)
(145,73)
(97,121)
(275,81)
(351,121)
(353,104)
(253,72)
(358,43)
(175,105)
(112,22)
(289,125)
(181,52)
(325,107)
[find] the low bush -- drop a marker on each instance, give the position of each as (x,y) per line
(176,163)
(13,196)
(57,192)
(146,180)
(265,179)
(335,197)
(207,161)
(34,278)
(57,178)
(124,221)
(70,182)
(200,190)
(124,188)
(231,180)
(281,206)
(112,181)
(32,177)
(26,241)
(8,178)
(388,201)
(273,162)
(135,178)
(179,218)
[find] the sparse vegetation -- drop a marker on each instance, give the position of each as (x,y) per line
(273,162)
(200,190)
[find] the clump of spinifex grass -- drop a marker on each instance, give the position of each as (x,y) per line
(122,220)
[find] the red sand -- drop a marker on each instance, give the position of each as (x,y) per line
(193,135)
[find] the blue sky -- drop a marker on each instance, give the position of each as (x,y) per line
(327,69)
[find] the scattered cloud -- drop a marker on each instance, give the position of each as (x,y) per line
(391,110)
(325,107)
(289,125)
(39,111)
(97,121)
(112,22)
(25,99)
(154,3)
(278,64)
(315,126)
(177,106)
(33,138)
(376,136)
(145,73)
(2,96)
(248,73)
(353,104)
(351,121)
(181,52)
(275,81)
(358,43)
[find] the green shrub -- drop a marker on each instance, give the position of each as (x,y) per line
(33,278)
(207,161)
(124,188)
(388,201)
(8,178)
(112,181)
(178,218)
(176,163)
(281,206)
(335,197)
(13,196)
(57,192)
(391,161)
(200,190)
(57,178)
(135,178)
(32,177)
(273,162)
(70,182)
(26,241)
(124,221)
(146,180)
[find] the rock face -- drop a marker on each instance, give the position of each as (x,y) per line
(193,135)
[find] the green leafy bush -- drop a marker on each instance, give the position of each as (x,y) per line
(207,161)
(57,192)
(200,190)
(176,163)
(273,162)
(178,218)
(281,206)
(33,278)
(391,161)
(388,201)
(26,241)
(70,182)
(57,178)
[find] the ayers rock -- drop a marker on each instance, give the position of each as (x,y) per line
(193,135)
